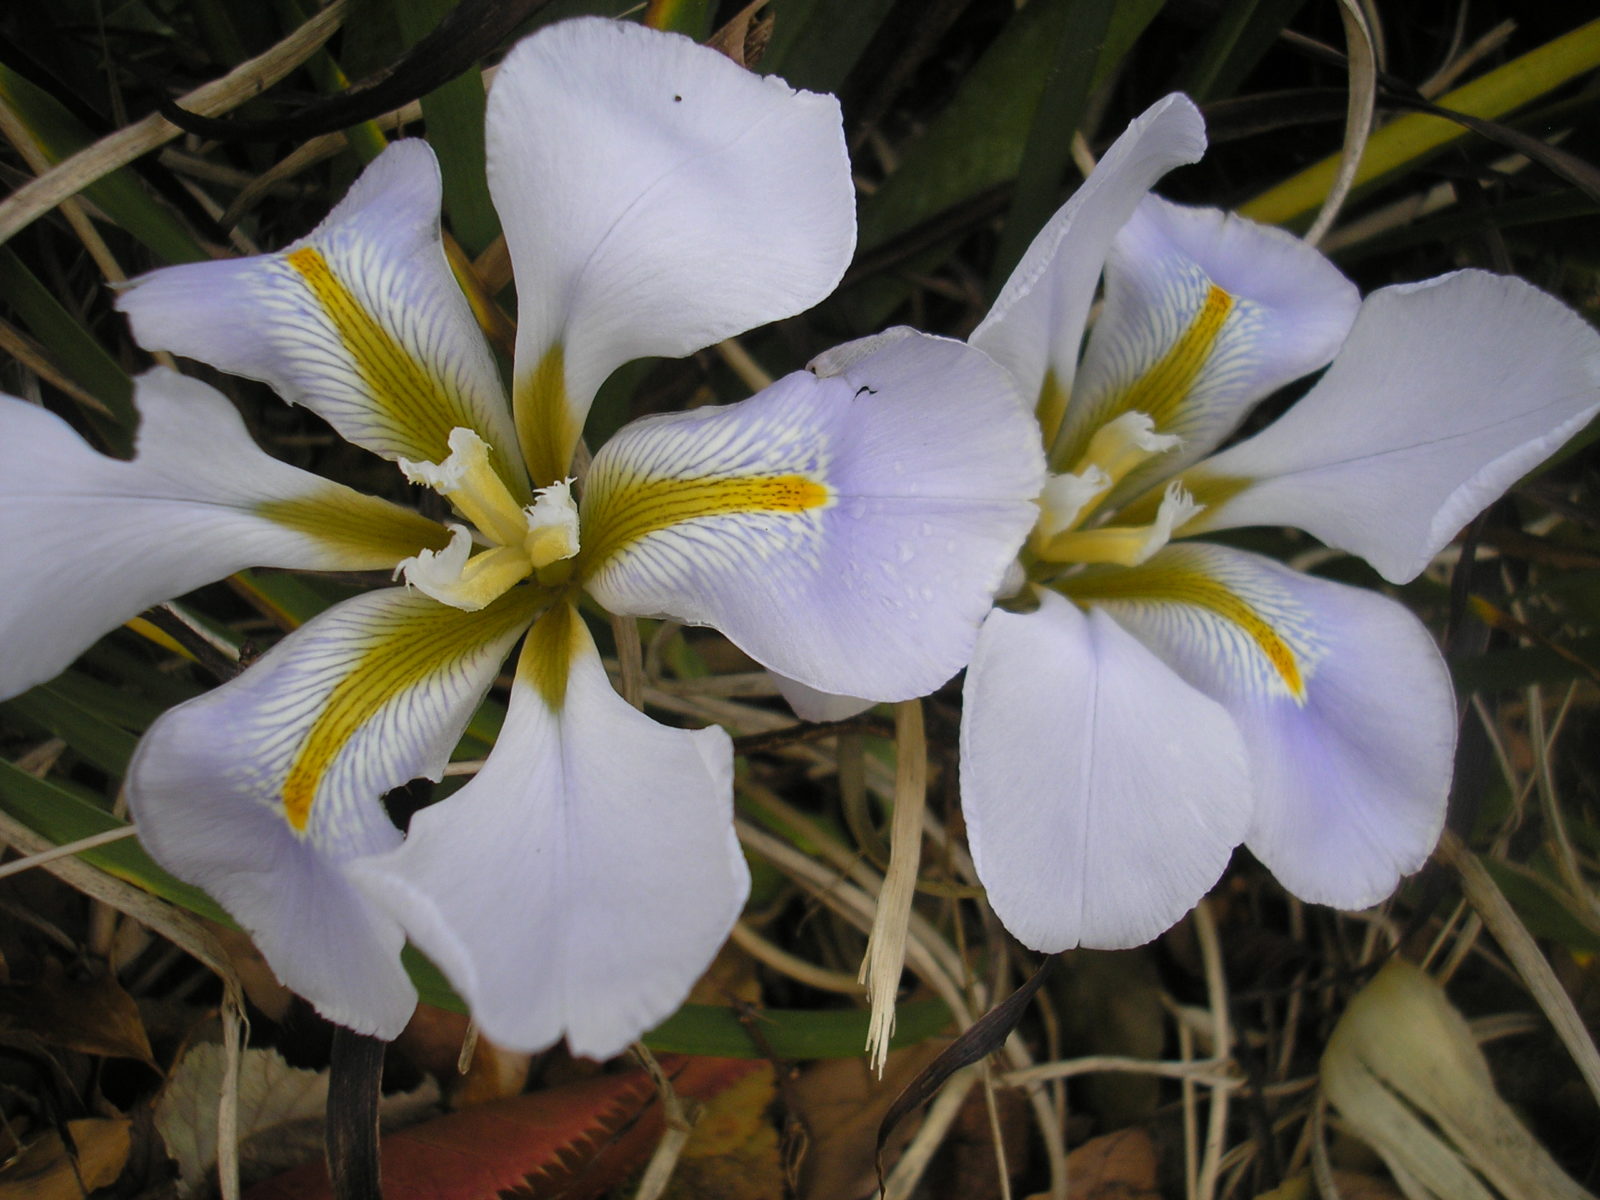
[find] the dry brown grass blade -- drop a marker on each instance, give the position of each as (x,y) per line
(885,957)
(1363,84)
(1501,920)
(247,80)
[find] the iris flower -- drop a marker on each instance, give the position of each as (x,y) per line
(845,527)
(1141,702)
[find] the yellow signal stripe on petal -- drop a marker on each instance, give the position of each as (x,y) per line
(370,533)
(1161,389)
(1160,392)
(1051,406)
(409,652)
(421,408)
(636,508)
(544,418)
(1178,585)
(554,642)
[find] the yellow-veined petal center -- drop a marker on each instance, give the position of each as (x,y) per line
(517,541)
(1067,531)
(634,506)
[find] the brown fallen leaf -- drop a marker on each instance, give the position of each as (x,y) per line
(433,1039)
(260,984)
(1114,1166)
(841,1106)
(965,1166)
(744,38)
(44,1170)
(733,1152)
(279,1115)
(92,1014)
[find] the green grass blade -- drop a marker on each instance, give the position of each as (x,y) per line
(120,194)
(63,816)
(815,43)
(1407,140)
(75,351)
(1048,150)
(1236,43)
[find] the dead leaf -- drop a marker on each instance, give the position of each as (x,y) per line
(732,1154)
(92,1015)
(965,1167)
(255,976)
(280,1114)
(271,1094)
(433,1038)
(1115,1166)
(43,1170)
(743,38)
(1407,1076)
(841,1105)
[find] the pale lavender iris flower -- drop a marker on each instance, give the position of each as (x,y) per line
(1140,703)
(845,527)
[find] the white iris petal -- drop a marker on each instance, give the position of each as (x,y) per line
(1437,397)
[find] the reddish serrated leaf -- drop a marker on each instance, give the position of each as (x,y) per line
(572,1142)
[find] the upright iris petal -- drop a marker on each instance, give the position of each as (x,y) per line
(656,197)
(1096,820)
(685,200)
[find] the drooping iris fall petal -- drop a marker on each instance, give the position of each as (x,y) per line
(88,541)
(584,878)
(264,789)
(1445,393)
(1343,701)
(361,320)
(847,530)
(1206,314)
(1103,794)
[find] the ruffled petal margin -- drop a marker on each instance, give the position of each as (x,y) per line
(656,198)
(264,790)
(1103,795)
(848,531)
(88,541)
(585,878)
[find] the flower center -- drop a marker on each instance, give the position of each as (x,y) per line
(516,541)
(1071,499)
